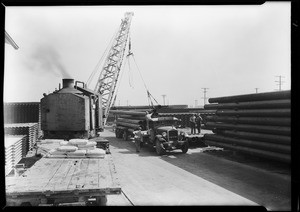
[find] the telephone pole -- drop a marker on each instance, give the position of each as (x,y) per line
(256,89)
(279,81)
(164,96)
(204,95)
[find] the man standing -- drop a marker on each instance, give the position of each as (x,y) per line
(138,138)
(193,124)
(198,122)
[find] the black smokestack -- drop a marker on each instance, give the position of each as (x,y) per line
(68,83)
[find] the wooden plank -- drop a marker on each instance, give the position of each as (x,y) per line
(78,177)
(63,176)
(92,174)
(64,183)
(35,178)
(56,178)
(74,175)
(104,174)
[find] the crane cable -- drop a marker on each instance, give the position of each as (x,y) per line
(148,92)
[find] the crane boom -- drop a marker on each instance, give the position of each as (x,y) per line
(107,81)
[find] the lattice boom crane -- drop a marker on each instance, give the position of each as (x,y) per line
(107,81)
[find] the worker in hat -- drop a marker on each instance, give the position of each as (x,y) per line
(193,124)
(198,122)
(138,136)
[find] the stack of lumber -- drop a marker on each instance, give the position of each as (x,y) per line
(29,129)
(13,151)
(256,124)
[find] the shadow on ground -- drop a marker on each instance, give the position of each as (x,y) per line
(264,182)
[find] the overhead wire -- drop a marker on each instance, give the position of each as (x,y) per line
(148,92)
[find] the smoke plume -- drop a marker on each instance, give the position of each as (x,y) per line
(46,58)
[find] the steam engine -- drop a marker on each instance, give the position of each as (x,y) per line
(71,112)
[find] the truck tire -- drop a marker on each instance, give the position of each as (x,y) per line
(159,149)
(185,147)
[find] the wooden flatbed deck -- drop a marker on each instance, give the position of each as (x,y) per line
(64,178)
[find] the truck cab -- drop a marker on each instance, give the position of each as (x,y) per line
(164,135)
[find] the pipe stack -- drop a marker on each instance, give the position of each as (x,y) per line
(130,119)
(257,124)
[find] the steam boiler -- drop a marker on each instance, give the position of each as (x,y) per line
(73,111)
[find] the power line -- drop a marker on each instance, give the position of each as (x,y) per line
(164,96)
(280,82)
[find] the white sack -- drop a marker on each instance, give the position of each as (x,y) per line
(64,143)
(78,141)
(96,153)
(67,148)
(77,153)
(56,152)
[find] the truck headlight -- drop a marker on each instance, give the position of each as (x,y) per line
(164,134)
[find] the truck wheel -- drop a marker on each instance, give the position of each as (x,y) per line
(159,149)
(102,200)
(185,147)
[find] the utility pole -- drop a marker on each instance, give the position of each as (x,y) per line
(196,102)
(204,95)
(164,96)
(256,90)
(279,81)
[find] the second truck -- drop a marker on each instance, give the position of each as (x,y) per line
(160,132)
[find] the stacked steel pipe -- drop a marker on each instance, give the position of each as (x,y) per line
(257,124)
(129,119)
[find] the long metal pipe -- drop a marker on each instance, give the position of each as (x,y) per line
(270,138)
(252,97)
(282,103)
(277,121)
(249,143)
(261,153)
(256,112)
(133,126)
(132,117)
(278,130)
(131,121)
(126,112)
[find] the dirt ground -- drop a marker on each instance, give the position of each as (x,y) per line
(197,178)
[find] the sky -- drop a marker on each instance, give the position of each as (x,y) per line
(178,50)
